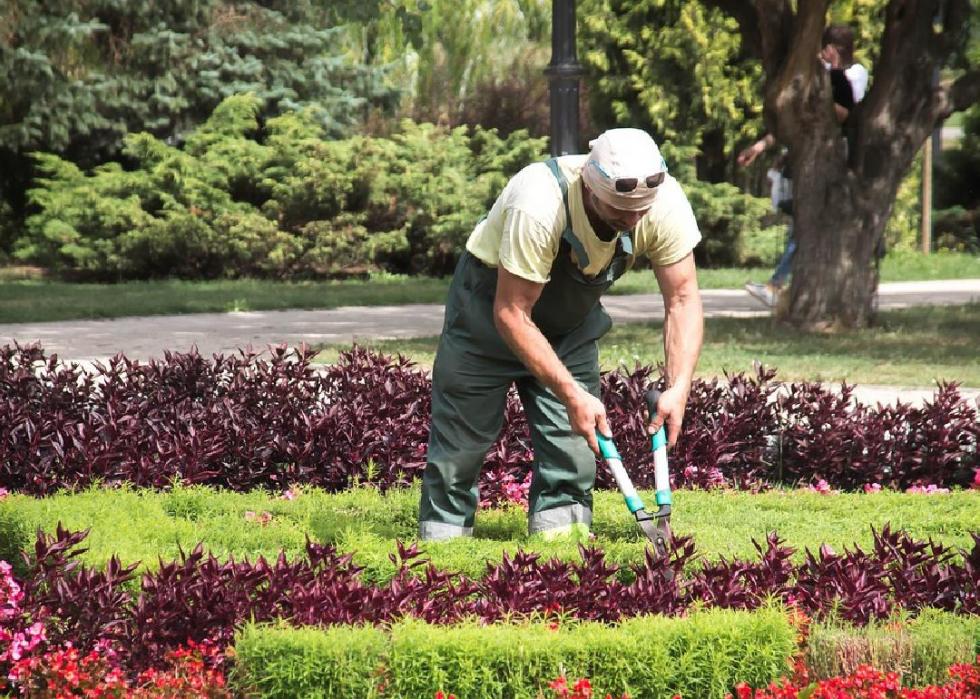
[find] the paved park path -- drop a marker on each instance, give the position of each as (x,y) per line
(148,337)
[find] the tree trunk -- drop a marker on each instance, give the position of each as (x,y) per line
(837,233)
(844,191)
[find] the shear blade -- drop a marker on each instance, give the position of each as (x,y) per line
(657,531)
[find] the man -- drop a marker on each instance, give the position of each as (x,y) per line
(524,308)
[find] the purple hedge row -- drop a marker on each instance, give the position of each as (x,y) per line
(200,598)
(251,420)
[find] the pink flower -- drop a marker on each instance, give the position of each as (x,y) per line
(822,487)
(931,489)
(290,493)
(976,478)
(4,493)
(559,685)
(516,491)
(872,487)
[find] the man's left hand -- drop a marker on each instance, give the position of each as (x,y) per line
(670,412)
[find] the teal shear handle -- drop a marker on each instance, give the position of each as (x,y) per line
(658,445)
(615,463)
(655,525)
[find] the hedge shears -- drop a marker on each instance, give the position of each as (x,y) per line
(655,526)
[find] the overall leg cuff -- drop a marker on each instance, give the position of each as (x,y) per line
(437,531)
(560,520)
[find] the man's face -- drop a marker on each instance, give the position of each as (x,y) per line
(831,55)
(618,219)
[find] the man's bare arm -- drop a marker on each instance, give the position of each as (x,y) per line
(512,308)
(683,335)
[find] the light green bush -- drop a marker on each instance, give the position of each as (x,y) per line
(287,662)
(727,218)
(702,655)
(920,650)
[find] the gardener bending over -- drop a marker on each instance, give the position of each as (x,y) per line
(524,308)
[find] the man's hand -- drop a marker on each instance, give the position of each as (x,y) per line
(748,155)
(670,412)
(586,414)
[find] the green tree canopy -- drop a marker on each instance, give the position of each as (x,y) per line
(673,67)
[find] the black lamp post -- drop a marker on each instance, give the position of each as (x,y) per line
(563,74)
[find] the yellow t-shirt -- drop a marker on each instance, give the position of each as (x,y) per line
(524,227)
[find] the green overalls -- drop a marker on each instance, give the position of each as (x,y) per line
(474,369)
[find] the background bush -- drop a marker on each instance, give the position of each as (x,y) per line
(275,199)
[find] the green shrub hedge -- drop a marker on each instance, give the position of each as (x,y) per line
(144,525)
(921,650)
(279,200)
(703,655)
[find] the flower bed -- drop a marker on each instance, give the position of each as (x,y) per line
(201,598)
(244,422)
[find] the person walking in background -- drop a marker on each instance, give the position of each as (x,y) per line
(849,82)
(524,310)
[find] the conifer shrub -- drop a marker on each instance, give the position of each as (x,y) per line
(277,199)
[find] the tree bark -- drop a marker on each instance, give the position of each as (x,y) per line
(844,191)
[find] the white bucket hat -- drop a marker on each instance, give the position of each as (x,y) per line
(624,169)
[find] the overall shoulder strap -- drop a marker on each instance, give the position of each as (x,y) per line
(567,235)
(626,242)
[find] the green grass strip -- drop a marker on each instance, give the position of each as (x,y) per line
(908,347)
(702,655)
(282,661)
(920,650)
(26,299)
(146,526)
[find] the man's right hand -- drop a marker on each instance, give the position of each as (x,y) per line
(748,155)
(586,414)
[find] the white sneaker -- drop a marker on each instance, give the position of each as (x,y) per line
(762,292)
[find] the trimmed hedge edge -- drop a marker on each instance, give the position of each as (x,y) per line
(702,655)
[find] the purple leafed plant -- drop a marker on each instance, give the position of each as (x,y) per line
(251,420)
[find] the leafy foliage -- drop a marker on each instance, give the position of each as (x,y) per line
(675,68)
(957,223)
(244,421)
(80,75)
(451,51)
(274,200)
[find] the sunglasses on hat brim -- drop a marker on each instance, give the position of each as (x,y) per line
(624,185)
